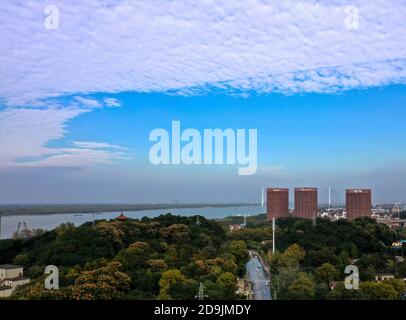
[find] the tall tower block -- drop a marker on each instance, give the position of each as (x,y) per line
(306,205)
(358,203)
(277,203)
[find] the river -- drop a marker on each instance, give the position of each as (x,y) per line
(9,223)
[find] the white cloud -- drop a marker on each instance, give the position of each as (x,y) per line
(26,132)
(271,170)
(114,46)
(91,103)
(76,157)
(112,102)
(97,145)
(179,47)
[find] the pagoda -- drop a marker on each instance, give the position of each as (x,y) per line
(122,217)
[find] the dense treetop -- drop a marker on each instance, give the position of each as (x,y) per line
(164,257)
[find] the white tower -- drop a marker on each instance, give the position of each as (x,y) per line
(245,215)
(262,197)
(273,235)
(329,196)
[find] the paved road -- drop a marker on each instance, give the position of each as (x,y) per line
(258,279)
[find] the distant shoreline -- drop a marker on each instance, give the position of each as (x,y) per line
(48,209)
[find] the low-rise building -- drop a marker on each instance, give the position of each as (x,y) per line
(10,277)
(234,227)
(382,277)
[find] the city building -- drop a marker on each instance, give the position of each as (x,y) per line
(382,277)
(305,203)
(235,227)
(277,204)
(10,277)
(357,203)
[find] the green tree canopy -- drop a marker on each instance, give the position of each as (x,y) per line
(326,273)
(302,288)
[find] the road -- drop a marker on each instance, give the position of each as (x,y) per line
(258,278)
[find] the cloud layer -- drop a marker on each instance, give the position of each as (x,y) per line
(113,46)
(25,133)
(179,47)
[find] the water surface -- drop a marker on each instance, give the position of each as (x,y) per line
(9,223)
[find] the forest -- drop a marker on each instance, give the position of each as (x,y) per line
(169,257)
(153,258)
(311,257)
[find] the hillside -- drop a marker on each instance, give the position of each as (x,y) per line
(310,259)
(165,257)
(169,256)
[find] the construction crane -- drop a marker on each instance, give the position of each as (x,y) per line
(22,233)
(19,226)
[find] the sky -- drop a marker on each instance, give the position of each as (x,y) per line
(83,84)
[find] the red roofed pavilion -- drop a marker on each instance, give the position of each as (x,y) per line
(122,217)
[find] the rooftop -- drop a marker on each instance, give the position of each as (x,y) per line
(17,278)
(9,266)
(358,190)
(5,288)
(306,189)
(122,217)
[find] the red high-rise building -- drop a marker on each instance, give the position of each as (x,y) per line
(277,202)
(305,203)
(358,203)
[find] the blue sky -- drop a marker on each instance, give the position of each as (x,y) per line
(78,102)
(352,130)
